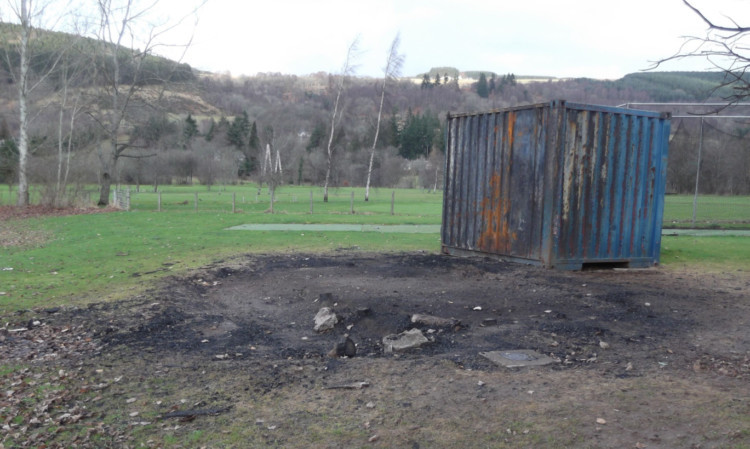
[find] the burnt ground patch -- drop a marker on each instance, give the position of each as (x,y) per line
(264,308)
(238,337)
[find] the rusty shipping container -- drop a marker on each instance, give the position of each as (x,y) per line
(558,184)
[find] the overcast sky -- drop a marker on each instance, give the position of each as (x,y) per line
(561,38)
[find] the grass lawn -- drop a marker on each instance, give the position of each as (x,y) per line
(82,258)
(711,211)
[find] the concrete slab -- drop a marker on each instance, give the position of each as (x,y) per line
(517,358)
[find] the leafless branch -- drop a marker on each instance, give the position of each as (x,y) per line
(723,48)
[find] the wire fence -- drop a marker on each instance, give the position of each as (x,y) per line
(680,211)
(286,201)
(707,211)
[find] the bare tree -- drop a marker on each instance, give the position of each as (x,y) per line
(70,72)
(391,70)
(29,14)
(347,70)
(127,40)
(724,47)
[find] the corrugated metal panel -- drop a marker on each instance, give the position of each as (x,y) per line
(560,184)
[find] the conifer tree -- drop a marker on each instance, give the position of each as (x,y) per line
(426,84)
(191,128)
(482,88)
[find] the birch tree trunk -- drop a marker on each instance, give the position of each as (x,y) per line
(329,147)
(23,92)
(391,70)
(29,15)
(346,70)
(374,143)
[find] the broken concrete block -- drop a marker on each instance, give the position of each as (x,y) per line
(517,358)
(410,339)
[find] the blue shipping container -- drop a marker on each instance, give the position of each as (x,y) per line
(559,184)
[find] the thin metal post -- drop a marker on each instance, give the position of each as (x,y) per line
(195,202)
(698,173)
(234,201)
(351,204)
(311,203)
(158,202)
(393,200)
(272,194)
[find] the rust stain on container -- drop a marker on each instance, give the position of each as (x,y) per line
(558,184)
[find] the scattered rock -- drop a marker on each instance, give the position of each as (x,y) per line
(325,320)
(489,322)
(344,348)
(603,345)
(433,321)
(406,340)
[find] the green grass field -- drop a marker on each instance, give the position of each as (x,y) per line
(83,258)
(712,211)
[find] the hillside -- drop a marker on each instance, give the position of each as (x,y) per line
(190,127)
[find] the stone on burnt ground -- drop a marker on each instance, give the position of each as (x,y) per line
(344,348)
(325,320)
(433,321)
(413,338)
(517,358)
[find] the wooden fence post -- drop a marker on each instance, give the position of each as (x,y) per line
(311,202)
(351,204)
(158,202)
(393,200)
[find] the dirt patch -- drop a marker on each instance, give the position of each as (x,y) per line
(642,358)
